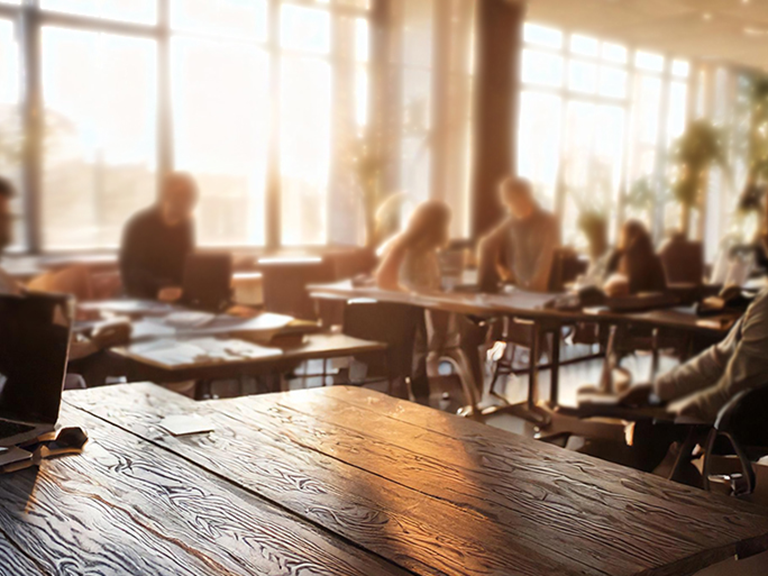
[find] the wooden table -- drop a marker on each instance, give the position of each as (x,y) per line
(343,481)
(531,307)
(314,347)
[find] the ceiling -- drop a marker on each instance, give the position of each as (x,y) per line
(733,31)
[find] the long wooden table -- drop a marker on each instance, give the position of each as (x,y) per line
(534,308)
(344,481)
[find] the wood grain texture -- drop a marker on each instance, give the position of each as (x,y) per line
(424,534)
(681,516)
(125,506)
(14,562)
(440,494)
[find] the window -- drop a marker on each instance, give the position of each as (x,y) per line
(230,18)
(263,101)
(144,11)
(10,122)
(223,141)
(100,135)
(593,134)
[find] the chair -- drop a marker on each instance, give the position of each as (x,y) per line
(393,324)
(566,267)
(284,284)
(683,261)
(742,423)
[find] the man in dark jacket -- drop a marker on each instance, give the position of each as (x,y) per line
(157,240)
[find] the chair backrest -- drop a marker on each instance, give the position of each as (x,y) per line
(284,285)
(393,324)
(566,267)
(683,261)
(744,417)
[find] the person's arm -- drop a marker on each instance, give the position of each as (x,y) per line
(747,367)
(388,273)
(137,280)
(490,250)
(550,240)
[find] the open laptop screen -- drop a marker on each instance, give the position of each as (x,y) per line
(34,346)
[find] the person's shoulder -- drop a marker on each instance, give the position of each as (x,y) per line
(143,217)
(761,302)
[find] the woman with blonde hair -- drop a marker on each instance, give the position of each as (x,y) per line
(410,259)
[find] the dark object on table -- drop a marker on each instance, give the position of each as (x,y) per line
(730,299)
(641,302)
(34,348)
(208,281)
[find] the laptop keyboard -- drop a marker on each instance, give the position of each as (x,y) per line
(8,429)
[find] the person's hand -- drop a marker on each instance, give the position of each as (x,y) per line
(616,286)
(638,395)
(170,294)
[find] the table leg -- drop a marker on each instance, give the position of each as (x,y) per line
(528,410)
(533,366)
(554,395)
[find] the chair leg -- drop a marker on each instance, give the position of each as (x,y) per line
(684,454)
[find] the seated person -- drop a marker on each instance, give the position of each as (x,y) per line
(635,266)
(701,387)
(595,228)
(410,259)
(521,249)
(157,241)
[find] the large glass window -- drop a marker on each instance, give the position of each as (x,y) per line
(143,11)
(593,130)
(100,135)
(266,102)
(221,131)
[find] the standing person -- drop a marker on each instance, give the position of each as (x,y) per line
(157,241)
(520,250)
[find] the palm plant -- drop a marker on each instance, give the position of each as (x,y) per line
(700,146)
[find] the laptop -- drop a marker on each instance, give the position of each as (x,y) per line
(207,282)
(34,348)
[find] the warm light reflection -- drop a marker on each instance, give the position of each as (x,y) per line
(100,93)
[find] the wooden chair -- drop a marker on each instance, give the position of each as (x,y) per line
(683,261)
(566,267)
(284,284)
(393,324)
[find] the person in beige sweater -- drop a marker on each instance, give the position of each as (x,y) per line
(700,388)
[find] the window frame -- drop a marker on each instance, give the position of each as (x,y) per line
(29,19)
(627,104)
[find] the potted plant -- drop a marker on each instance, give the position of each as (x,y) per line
(700,146)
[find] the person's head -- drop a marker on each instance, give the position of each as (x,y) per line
(635,237)
(6,218)
(178,198)
(595,229)
(428,227)
(517,195)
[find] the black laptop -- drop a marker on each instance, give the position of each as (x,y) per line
(34,348)
(208,282)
